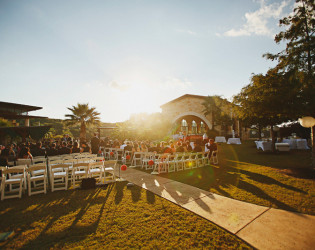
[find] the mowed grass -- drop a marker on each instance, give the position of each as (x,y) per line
(112,217)
(246,174)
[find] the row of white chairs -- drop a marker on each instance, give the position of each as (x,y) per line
(42,159)
(162,163)
(16,179)
(118,154)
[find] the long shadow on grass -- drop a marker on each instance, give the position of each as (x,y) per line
(214,177)
(262,178)
(73,232)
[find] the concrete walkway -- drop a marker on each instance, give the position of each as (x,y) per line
(262,227)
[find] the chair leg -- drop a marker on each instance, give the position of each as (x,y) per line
(21,188)
(29,186)
(2,189)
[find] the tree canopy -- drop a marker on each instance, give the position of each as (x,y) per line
(84,115)
(299,54)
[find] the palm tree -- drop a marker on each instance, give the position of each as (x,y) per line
(84,115)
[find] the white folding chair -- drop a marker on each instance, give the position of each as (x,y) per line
(162,163)
(214,157)
(70,162)
(11,188)
(128,157)
(39,159)
(84,160)
(39,172)
(199,159)
(67,157)
(193,160)
(109,171)
(106,152)
(205,159)
(137,159)
(80,170)
(146,157)
(96,170)
(27,162)
(14,177)
(171,163)
(97,158)
(33,177)
(119,154)
(186,160)
(179,161)
(58,176)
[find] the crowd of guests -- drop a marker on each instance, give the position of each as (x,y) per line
(163,147)
(66,145)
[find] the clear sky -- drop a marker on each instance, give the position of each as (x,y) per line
(131,56)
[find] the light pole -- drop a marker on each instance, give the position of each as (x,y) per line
(309,122)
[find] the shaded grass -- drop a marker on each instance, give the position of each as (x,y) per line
(245,174)
(108,217)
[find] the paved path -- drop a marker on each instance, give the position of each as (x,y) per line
(262,227)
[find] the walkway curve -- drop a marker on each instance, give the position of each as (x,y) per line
(262,227)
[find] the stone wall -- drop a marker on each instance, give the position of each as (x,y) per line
(189,105)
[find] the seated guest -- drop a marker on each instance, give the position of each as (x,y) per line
(152,147)
(25,153)
(129,147)
(64,149)
(197,147)
(38,150)
(85,147)
(211,146)
(180,148)
(70,145)
(143,147)
(116,144)
(167,149)
(187,147)
(4,158)
(75,148)
(52,150)
(135,147)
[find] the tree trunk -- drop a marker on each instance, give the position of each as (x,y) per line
(83,131)
(273,139)
(259,132)
(313,145)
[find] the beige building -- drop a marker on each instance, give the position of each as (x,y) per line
(187,114)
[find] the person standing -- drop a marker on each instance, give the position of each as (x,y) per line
(95,144)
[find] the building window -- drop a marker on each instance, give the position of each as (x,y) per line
(202,127)
(184,126)
(194,127)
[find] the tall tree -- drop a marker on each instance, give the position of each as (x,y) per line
(84,115)
(299,57)
(299,54)
(267,100)
(219,109)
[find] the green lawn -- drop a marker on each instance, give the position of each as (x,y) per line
(108,217)
(246,174)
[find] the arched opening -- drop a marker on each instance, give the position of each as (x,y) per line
(190,125)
